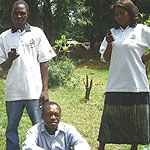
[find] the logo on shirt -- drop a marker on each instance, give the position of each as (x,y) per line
(133,37)
(32,43)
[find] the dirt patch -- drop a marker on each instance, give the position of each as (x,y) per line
(91,64)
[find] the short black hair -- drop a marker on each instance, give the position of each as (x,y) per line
(50,103)
(21,2)
(132,10)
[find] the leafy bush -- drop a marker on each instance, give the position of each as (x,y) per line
(60,72)
(74,82)
(61,45)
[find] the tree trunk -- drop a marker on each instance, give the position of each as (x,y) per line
(47,21)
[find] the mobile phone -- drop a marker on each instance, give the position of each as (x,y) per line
(13,50)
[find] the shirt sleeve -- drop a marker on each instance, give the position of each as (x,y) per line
(102,49)
(3,55)
(76,141)
(45,50)
(31,142)
(145,37)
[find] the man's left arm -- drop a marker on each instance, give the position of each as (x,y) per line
(77,142)
(44,75)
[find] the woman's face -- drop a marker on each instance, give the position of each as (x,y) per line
(122,17)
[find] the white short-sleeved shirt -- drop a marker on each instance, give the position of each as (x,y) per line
(24,77)
(127,72)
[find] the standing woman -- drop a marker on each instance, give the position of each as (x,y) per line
(126,117)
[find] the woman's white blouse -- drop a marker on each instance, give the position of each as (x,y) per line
(127,72)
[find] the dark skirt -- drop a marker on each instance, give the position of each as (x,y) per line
(125,119)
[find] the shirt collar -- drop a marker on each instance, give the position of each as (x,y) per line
(27,28)
(59,128)
(122,29)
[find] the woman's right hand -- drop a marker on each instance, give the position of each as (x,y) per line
(109,37)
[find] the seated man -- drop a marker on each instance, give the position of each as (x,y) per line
(52,134)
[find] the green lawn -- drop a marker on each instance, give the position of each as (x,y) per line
(85,116)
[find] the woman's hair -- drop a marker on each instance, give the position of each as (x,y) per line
(132,10)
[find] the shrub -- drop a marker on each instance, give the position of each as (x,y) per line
(74,82)
(60,72)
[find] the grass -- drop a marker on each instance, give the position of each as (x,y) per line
(85,116)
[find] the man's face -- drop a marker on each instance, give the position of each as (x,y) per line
(51,116)
(19,15)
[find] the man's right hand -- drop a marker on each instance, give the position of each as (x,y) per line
(13,55)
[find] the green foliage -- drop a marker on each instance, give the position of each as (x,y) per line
(147,22)
(74,82)
(69,19)
(145,19)
(61,46)
(60,72)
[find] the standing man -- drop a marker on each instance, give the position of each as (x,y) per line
(24,52)
(53,134)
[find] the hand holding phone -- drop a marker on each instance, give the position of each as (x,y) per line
(12,54)
(109,36)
